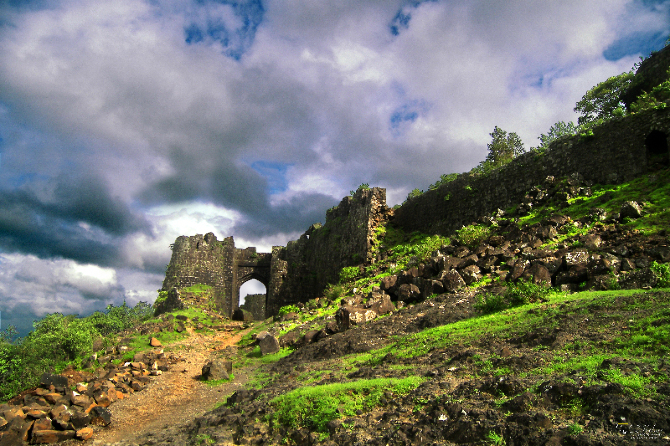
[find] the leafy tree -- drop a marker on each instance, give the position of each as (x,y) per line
(503,148)
(603,100)
(557,131)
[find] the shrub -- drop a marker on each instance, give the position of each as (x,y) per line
(348,274)
(473,235)
(286,309)
(516,294)
(662,273)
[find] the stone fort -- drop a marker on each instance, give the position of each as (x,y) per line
(617,151)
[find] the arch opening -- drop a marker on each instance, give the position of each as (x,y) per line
(657,149)
(253,297)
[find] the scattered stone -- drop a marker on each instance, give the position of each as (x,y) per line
(630,209)
(217,369)
(269,344)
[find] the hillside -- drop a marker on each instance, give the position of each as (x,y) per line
(492,356)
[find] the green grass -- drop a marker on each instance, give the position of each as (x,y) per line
(198,288)
(314,406)
(652,190)
(520,320)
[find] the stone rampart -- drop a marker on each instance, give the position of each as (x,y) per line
(618,151)
(295,273)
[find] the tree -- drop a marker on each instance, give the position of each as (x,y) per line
(601,101)
(557,131)
(503,148)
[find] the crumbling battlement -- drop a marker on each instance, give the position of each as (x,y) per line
(295,273)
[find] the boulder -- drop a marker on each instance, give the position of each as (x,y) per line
(575,258)
(347,316)
(58,381)
(431,287)
(471,274)
(217,369)
(269,344)
(630,209)
(538,273)
(451,280)
(290,339)
(100,416)
(155,342)
(52,436)
(575,275)
(388,283)
(409,293)
(380,303)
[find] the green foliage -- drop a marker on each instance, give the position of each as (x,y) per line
(503,148)
(286,309)
(364,186)
(495,439)
(473,235)
(444,179)
(57,340)
(601,101)
(334,292)
(575,429)
(662,273)
(119,318)
(657,98)
(349,273)
(162,296)
(314,406)
(198,288)
(557,131)
(520,293)
(413,194)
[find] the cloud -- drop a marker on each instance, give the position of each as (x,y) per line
(125,124)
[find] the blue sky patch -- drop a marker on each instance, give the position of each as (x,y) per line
(274,173)
(231,23)
(405,115)
(639,43)
(402,18)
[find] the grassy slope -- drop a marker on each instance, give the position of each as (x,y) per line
(604,338)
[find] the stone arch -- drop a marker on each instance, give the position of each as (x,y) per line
(656,144)
(256,304)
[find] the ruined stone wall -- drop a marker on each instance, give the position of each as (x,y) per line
(617,152)
(302,269)
(255,304)
(202,260)
(651,72)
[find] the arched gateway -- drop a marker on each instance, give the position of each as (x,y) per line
(205,260)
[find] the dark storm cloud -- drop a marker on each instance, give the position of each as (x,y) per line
(77,219)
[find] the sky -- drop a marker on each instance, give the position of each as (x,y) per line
(126,124)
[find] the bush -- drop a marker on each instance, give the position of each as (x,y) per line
(286,309)
(662,273)
(473,235)
(516,294)
(58,340)
(348,274)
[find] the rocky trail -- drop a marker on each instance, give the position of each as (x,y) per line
(173,398)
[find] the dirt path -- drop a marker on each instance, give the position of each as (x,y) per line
(173,398)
